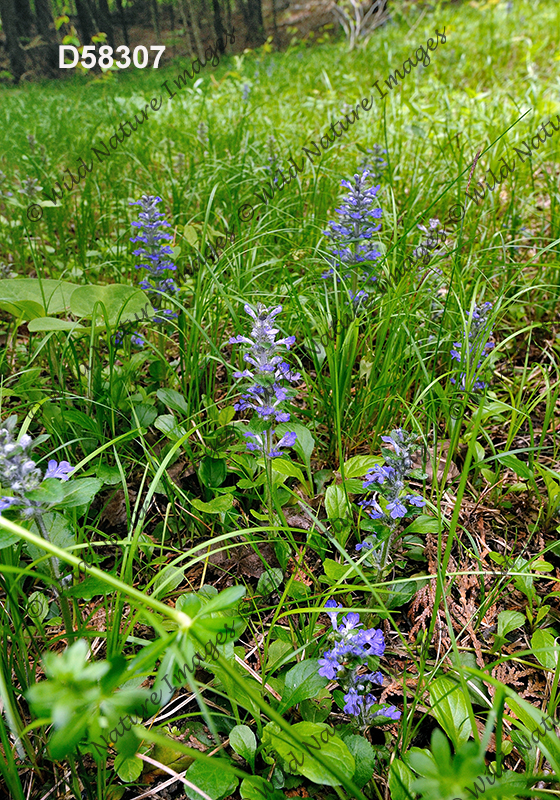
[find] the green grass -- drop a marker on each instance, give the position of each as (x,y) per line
(155,427)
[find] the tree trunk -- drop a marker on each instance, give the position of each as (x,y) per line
(218,24)
(8,16)
(105,22)
(123,22)
(185,18)
(24,19)
(195,29)
(45,27)
(155,18)
(85,20)
(252,13)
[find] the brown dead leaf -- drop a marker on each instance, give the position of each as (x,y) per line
(242,560)
(115,511)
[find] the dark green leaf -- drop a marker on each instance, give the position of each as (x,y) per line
(364,756)
(212,471)
(213,779)
(244,742)
(302,682)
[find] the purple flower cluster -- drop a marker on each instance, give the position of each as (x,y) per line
(391,476)
(155,258)
(356,227)
(266,395)
(475,347)
(354,647)
(20,473)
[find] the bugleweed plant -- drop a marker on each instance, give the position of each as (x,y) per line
(356,478)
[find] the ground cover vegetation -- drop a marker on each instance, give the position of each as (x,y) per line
(279,515)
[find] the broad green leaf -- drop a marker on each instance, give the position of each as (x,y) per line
(545,649)
(336,572)
(400,781)
(50,491)
(37,606)
(218,505)
(302,682)
(64,740)
(519,467)
(89,588)
(108,475)
(336,504)
(423,524)
(357,466)
(80,491)
(450,709)
(7,539)
(54,324)
(270,581)
(174,400)
(304,444)
(211,778)
(298,590)
(508,621)
(422,761)
(398,594)
(257,788)
(145,414)
(228,598)
(166,423)
(128,769)
(25,310)
(244,742)
(122,303)
(364,756)
(553,487)
(277,652)
(226,415)
(59,531)
(212,471)
(285,467)
(51,296)
(167,580)
(300,760)
(317,708)
(190,234)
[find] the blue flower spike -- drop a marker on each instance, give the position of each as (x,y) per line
(353,648)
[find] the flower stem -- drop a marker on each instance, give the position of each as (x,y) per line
(268,463)
(55,572)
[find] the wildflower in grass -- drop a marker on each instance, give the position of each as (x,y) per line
(391,480)
(356,227)
(474,348)
(434,233)
(30,187)
(202,135)
(56,470)
(20,474)
(354,647)
(375,162)
(267,393)
(260,444)
(156,263)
